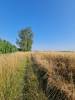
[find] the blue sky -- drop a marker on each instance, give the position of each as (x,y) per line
(52,21)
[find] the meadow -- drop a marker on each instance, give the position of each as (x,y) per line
(37,76)
(56,73)
(17,80)
(11,75)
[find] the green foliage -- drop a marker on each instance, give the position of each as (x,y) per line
(25,39)
(6,47)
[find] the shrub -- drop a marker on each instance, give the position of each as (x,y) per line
(7,47)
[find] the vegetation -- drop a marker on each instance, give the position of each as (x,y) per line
(24,42)
(25,39)
(38,76)
(31,90)
(56,74)
(12,68)
(6,47)
(17,78)
(35,75)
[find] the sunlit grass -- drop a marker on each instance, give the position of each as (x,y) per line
(19,80)
(12,68)
(59,69)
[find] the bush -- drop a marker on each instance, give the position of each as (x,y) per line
(7,47)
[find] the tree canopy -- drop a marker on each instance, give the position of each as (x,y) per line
(25,39)
(6,47)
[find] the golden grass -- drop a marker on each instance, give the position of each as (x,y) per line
(11,75)
(17,79)
(60,68)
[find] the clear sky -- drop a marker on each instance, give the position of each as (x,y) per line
(52,21)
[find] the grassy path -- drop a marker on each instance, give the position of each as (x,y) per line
(31,90)
(17,79)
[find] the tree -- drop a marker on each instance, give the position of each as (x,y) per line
(7,47)
(25,39)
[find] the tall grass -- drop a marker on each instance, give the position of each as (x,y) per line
(24,79)
(17,79)
(57,69)
(11,75)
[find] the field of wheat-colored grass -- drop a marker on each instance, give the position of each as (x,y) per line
(17,79)
(58,69)
(23,74)
(11,75)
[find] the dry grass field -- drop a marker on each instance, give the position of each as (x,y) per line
(57,73)
(11,75)
(23,76)
(17,79)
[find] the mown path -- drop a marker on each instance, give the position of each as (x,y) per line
(31,90)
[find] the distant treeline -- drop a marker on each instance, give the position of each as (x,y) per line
(7,47)
(24,42)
